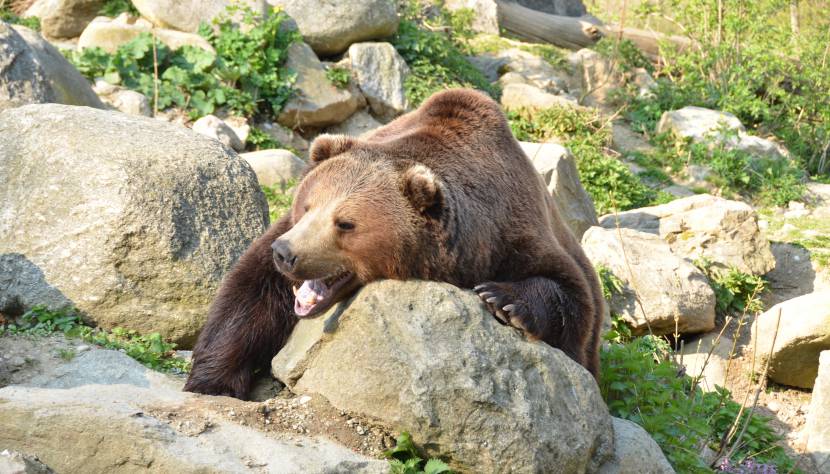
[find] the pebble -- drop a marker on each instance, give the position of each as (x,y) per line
(82,348)
(304,399)
(17,361)
(773,407)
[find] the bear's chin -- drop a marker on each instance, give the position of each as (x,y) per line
(314,297)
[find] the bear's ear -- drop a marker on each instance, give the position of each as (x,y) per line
(421,187)
(325,146)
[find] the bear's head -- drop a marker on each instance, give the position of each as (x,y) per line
(357,216)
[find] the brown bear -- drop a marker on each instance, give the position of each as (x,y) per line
(443,193)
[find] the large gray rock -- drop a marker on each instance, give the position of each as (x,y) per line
(428,358)
(599,77)
(714,127)
(360,123)
(818,418)
(662,293)
(187,15)
(636,452)
(330,27)
(803,332)
(534,69)
(115,412)
(317,103)
(32,71)
(275,167)
(486,12)
(64,18)
(213,127)
(723,231)
(13,462)
(110,33)
(286,137)
(557,166)
(380,73)
(132,220)
(526,96)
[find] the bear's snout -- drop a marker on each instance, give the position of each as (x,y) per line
(283,256)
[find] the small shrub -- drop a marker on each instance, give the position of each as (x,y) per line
(405,459)
(260,140)
(641,383)
(245,75)
(7,15)
(338,76)
(435,61)
(151,350)
(114,8)
(67,354)
(735,291)
(609,182)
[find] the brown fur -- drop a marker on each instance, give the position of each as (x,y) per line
(444,193)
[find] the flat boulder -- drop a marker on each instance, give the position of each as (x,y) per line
(32,71)
(123,417)
(275,167)
(557,166)
(662,293)
(331,27)
(723,231)
(802,334)
(360,123)
(316,102)
(132,220)
(527,96)
(428,358)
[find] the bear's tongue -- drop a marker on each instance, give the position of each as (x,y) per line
(308,295)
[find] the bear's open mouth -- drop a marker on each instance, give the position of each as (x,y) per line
(315,296)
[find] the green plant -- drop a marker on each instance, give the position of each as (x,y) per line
(735,291)
(245,74)
(116,7)
(67,354)
(435,61)
(641,383)
(611,284)
(624,53)
(405,459)
(338,76)
(9,16)
(151,350)
(279,199)
(260,140)
(609,182)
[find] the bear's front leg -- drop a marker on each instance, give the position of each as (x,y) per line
(248,322)
(556,312)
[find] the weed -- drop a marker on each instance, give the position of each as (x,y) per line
(279,199)
(113,8)
(405,459)
(338,76)
(735,291)
(245,75)
(260,140)
(67,354)
(151,350)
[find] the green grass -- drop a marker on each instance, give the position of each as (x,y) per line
(609,182)
(114,8)
(151,350)
(811,233)
(246,75)
(338,76)
(279,199)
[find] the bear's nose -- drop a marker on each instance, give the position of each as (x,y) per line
(283,256)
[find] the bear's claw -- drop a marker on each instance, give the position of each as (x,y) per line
(502,303)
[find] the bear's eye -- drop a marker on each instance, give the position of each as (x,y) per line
(344,225)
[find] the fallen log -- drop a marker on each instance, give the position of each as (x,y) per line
(575,33)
